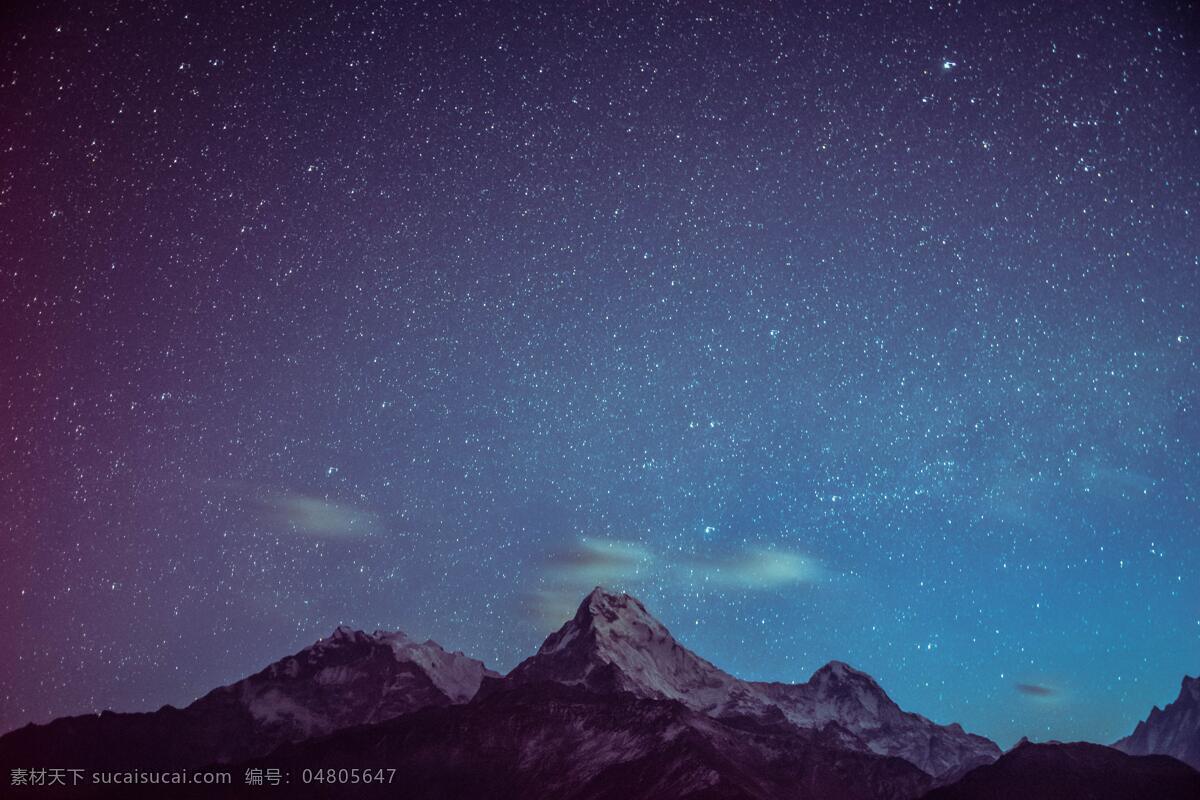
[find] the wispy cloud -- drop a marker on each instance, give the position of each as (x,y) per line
(754,569)
(1036,689)
(316,516)
(550,608)
(599,561)
(570,572)
(1115,481)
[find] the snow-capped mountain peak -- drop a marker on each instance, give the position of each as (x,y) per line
(455,674)
(839,675)
(614,644)
(839,670)
(346,679)
(351,677)
(341,633)
(838,691)
(611,617)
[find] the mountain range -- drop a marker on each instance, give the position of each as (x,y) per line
(350,678)
(610,706)
(613,644)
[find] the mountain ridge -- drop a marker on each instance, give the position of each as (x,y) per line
(1073,770)
(551,740)
(1172,731)
(347,678)
(613,643)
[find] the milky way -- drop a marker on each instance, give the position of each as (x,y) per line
(867,334)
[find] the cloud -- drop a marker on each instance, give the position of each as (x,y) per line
(550,608)
(594,562)
(602,562)
(1036,690)
(1117,482)
(317,516)
(754,569)
(570,572)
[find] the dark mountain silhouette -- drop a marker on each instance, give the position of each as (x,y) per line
(1077,771)
(349,678)
(1171,731)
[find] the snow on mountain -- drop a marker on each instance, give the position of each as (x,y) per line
(346,679)
(614,644)
(553,742)
(839,696)
(456,675)
(352,677)
(1172,731)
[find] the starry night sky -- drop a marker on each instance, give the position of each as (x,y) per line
(858,333)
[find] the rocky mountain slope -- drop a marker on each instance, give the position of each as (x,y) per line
(554,742)
(349,678)
(1171,731)
(614,645)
